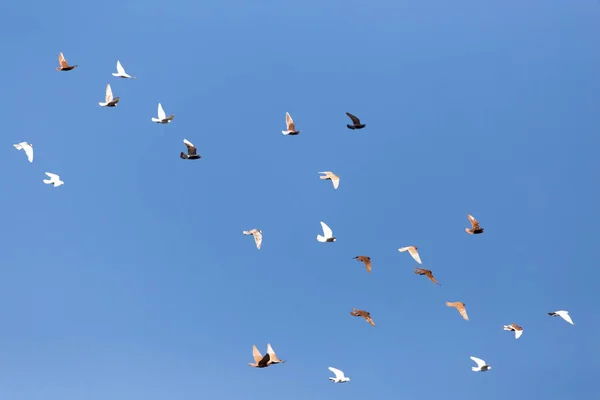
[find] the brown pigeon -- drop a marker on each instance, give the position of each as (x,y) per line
(365,314)
(475,228)
(427,273)
(366,260)
(460,306)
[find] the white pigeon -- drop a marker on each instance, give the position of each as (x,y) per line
(563,314)
(339,376)
(481,365)
(412,250)
(257,233)
(109,100)
(54,179)
(121,72)
(330,176)
(28,149)
(162,117)
(328,234)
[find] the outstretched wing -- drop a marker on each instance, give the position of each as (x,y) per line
(51,175)
(62,61)
(120,68)
(256,354)
(191,148)
(161,112)
(415,254)
(338,374)
(474,222)
(463,311)
(257,238)
(289,122)
(429,274)
(479,361)
(109,94)
(326,230)
(369,319)
(355,120)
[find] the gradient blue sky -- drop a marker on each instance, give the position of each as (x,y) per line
(134,281)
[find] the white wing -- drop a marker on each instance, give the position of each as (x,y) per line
(257,239)
(518,334)
(161,112)
(415,254)
(270,349)
(52,176)
(120,68)
(479,361)
(326,230)
(336,182)
(565,315)
(338,374)
(188,142)
(29,151)
(109,95)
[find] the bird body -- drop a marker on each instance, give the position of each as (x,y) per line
(27,147)
(515,328)
(475,228)
(482,366)
(291,128)
(109,101)
(162,116)
(54,180)
(413,251)
(121,72)
(339,376)
(563,314)
(366,260)
(460,306)
(355,122)
(330,176)
(327,234)
(191,153)
(257,236)
(361,313)
(259,360)
(427,273)
(64,65)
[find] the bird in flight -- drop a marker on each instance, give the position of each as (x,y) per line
(109,100)
(291,128)
(54,180)
(427,273)
(28,147)
(327,234)
(355,122)
(515,328)
(412,250)
(257,236)
(259,360)
(475,228)
(563,314)
(361,313)
(330,176)
(460,306)
(366,260)
(162,117)
(482,366)
(191,153)
(121,72)
(339,376)
(64,65)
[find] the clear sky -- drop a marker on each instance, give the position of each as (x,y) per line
(134,280)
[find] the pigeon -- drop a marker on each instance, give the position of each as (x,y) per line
(28,147)
(366,260)
(355,122)
(257,236)
(54,179)
(475,228)
(328,234)
(515,328)
(339,376)
(162,117)
(121,72)
(563,314)
(259,360)
(109,100)
(272,356)
(191,154)
(365,314)
(330,176)
(481,365)
(64,65)
(460,306)
(427,273)
(412,250)
(291,129)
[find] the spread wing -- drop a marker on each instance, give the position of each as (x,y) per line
(479,361)
(369,319)
(51,175)
(338,374)
(429,274)
(415,254)
(474,222)
(336,180)
(257,238)
(29,151)
(109,94)
(256,354)
(289,122)
(191,148)
(271,352)
(161,112)
(355,120)
(564,315)
(62,61)
(463,311)
(326,230)
(120,68)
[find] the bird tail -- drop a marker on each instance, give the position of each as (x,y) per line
(506,328)
(321,238)
(18,146)
(324,177)
(332,379)
(285,132)
(474,369)
(155,120)
(351,127)
(47,181)
(183,155)
(468,231)
(246,232)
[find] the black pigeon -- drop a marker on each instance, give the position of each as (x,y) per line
(191,155)
(355,121)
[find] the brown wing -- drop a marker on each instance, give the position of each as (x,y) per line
(429,274)
(355,120)
(474,222)
(369,320)
(256,354)
(460,306)
(366,260)
(62,61)
(289,122)
(191,149)
(516,327)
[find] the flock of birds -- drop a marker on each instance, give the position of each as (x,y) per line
(270,358)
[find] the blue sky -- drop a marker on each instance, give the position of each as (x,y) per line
(134,281)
